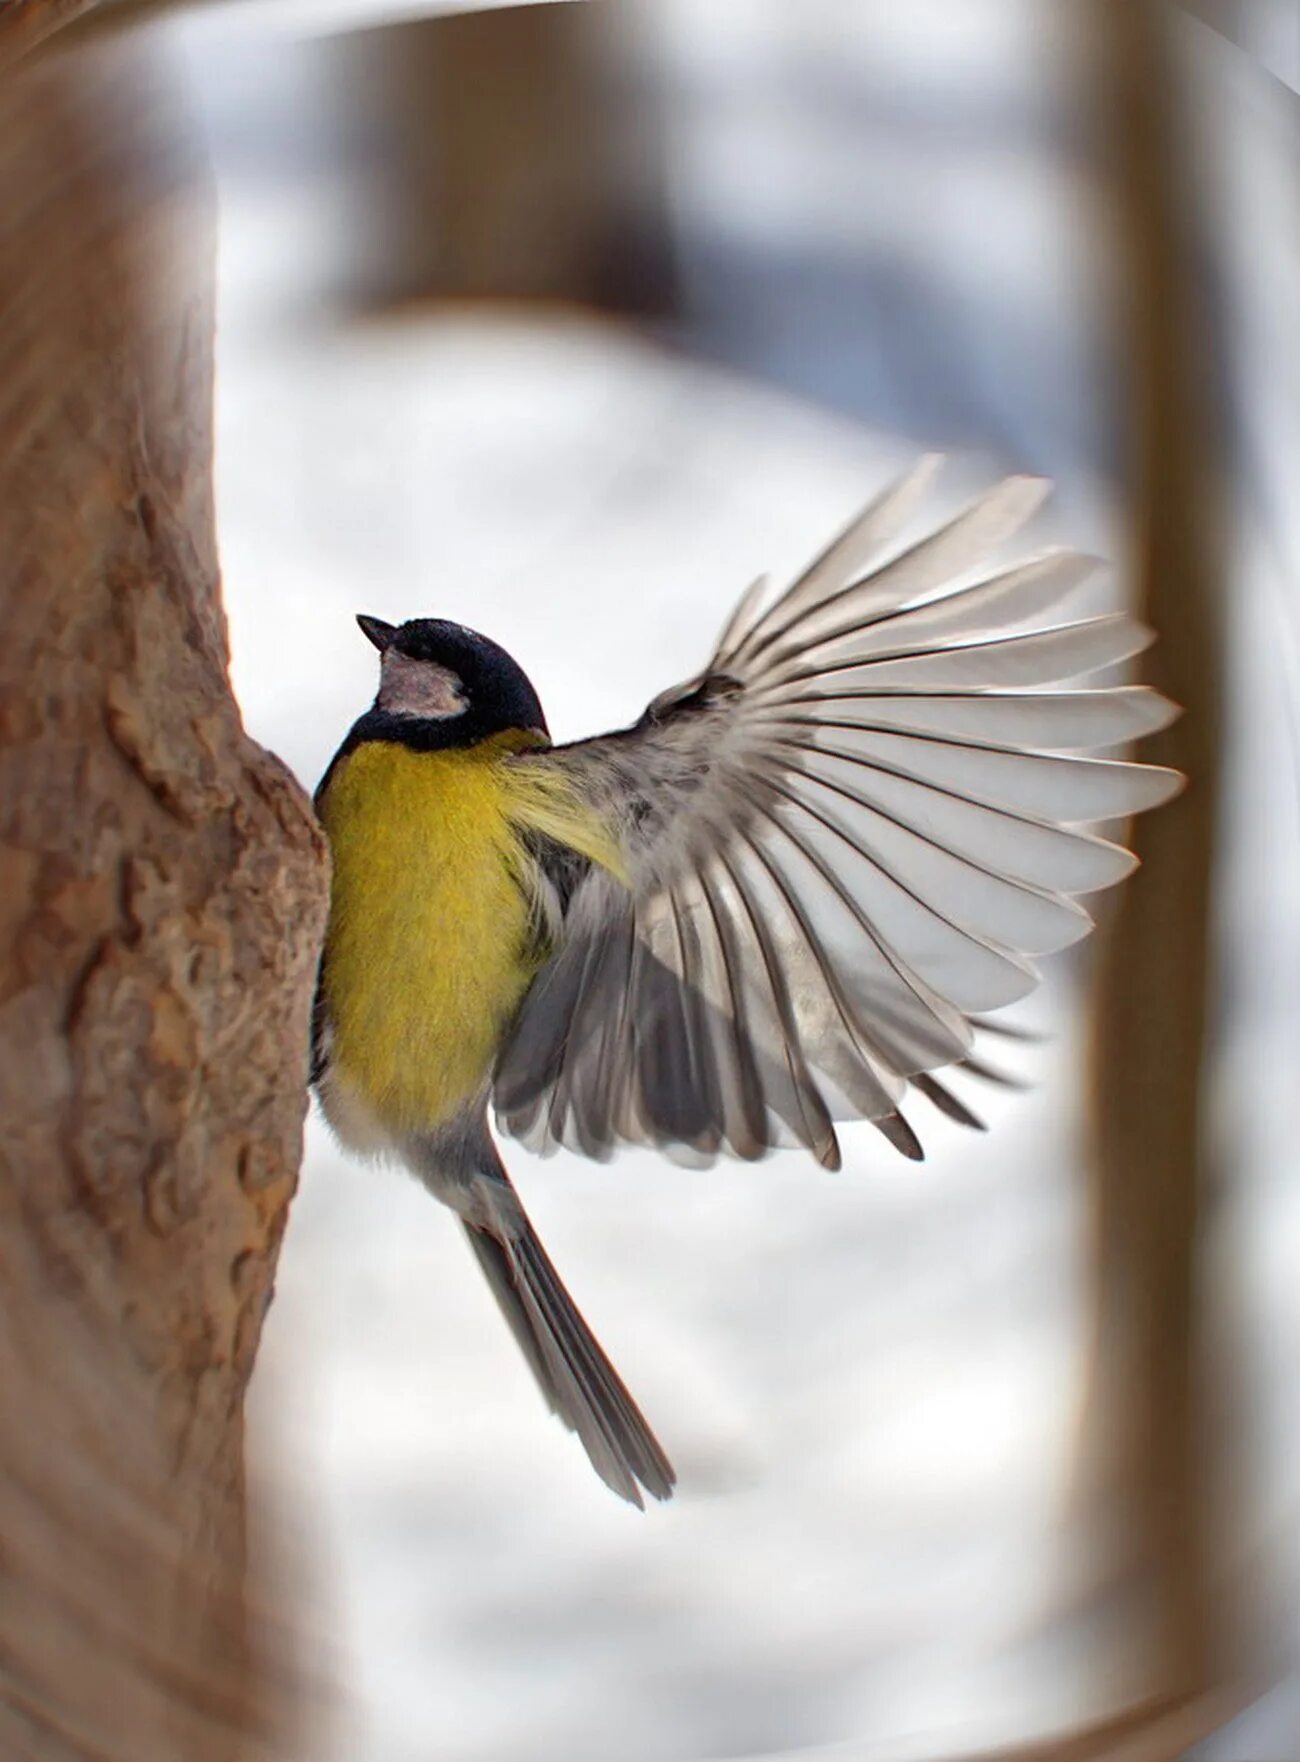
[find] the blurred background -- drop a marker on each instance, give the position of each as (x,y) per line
(565,321)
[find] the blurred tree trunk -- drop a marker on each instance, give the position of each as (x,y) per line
(1144,1430)
(162,886)
(511,153)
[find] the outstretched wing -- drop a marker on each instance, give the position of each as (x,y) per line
(847,836)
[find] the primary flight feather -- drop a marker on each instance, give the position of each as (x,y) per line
(778,900)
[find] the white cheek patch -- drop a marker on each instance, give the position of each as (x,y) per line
(418,688)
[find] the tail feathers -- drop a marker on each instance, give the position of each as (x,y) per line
(578,1381)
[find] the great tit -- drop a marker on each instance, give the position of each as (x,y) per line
(783,897)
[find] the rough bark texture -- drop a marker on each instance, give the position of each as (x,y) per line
(1154,974)
(162,888)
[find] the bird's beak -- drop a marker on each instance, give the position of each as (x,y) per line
(380,634)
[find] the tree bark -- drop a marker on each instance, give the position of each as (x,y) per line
(162,893)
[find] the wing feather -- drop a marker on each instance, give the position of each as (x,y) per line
(835,580)
(745,1119)
(981,896)
(1000,603)
(830,573)
(1061,721)
(1063,787)
(837,846)
(1037,852)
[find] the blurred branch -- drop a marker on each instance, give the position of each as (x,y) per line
(1153,981)
(161,897)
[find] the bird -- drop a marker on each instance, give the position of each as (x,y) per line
(789,895)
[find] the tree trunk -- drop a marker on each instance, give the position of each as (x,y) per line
(162,891)
(1145,1425)
(514,153)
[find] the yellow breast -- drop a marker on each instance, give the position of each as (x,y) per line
(426,955)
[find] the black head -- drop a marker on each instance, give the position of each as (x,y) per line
(442,685)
